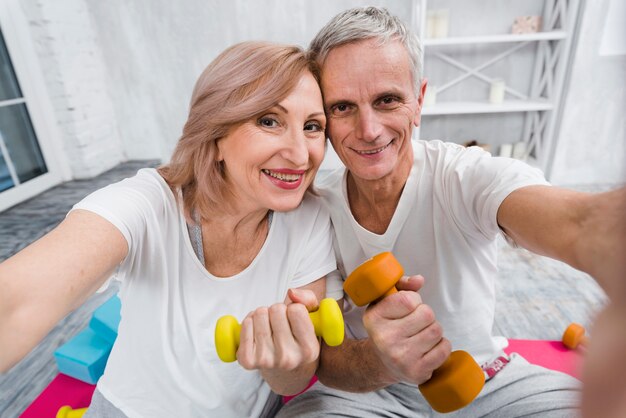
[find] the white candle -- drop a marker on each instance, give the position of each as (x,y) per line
(496,93)
(441,28)
(506,150)
(437,23)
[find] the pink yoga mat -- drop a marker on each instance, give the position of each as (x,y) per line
(63,390)
(550,354)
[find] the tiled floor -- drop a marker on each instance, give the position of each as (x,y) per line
(538,296)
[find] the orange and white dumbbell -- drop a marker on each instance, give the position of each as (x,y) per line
(460,379)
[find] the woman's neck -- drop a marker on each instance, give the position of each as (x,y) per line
(231,241)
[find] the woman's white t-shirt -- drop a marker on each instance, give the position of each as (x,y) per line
(164,363)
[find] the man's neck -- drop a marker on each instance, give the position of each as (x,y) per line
(373,202)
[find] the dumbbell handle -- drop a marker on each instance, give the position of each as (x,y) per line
(327,323)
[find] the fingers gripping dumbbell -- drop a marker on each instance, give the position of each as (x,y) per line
(574,336)
(459,379)
(327,322)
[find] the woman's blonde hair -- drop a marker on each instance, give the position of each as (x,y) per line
(244,81)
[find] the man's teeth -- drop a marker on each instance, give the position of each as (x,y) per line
(283,176)
(374,151)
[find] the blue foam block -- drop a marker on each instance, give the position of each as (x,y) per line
(84,356)
(106,319)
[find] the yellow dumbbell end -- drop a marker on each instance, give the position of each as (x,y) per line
(328,322)
(67,412)
(227,332)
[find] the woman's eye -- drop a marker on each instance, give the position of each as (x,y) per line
(313,127)
(268,122)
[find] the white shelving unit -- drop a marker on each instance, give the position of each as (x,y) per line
(541,104)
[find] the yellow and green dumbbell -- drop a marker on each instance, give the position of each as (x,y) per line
(327,322)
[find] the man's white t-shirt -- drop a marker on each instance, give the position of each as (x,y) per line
(164,363)
(444,228)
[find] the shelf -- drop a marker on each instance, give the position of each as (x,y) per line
(492,39)
(454,108)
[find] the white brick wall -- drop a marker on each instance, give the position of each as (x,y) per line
(73,69)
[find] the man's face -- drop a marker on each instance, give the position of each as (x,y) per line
(371,107)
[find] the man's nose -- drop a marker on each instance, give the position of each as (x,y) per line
(368,126)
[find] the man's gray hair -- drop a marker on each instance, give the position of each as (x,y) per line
(362,23)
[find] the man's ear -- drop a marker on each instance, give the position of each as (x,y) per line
(420,102)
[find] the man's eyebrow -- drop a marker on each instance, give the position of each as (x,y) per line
(394,92)
(331,103)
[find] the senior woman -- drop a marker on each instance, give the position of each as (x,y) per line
(227,227)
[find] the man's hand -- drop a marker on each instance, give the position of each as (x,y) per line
(604,369)
(405,335)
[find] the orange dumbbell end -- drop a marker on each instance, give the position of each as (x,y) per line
(574,336)
(455,384)
(374,279)
(67,412)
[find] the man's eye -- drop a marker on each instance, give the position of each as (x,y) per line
(340,109)
(268,122)
(388,101)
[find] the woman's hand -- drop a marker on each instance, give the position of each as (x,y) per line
(280,342)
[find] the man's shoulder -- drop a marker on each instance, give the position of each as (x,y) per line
(329,181)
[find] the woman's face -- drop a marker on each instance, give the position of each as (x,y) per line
(271,160)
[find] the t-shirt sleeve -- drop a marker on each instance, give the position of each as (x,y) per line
(128,205)
(474,184)
(316,255)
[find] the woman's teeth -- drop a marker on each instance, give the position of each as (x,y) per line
(283,176)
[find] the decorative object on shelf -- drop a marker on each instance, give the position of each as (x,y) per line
(526,24)
(437,23)
(496,92)
(430,97)
(475,143)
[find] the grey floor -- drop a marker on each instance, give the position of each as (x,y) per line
(538,297)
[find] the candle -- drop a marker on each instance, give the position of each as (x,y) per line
(437,23)
(496,93)
(441,28)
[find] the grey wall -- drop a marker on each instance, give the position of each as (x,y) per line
(155,49)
